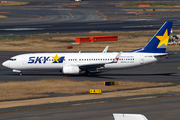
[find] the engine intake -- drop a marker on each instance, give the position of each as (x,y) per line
(70,70)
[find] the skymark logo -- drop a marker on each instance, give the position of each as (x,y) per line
(163,40)
(57,59)
(44,59)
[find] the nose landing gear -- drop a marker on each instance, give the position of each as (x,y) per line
(18,71)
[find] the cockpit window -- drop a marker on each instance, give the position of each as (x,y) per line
(12,59)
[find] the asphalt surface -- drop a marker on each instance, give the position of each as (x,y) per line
(163,108)
(59,16)
(68,16)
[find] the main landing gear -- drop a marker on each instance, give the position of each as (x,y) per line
(20,74)
(88,73)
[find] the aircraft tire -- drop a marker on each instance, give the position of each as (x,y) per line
(88,73)
(20,74)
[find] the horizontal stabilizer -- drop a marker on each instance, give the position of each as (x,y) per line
(162,55)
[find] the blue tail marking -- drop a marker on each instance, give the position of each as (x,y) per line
(159,41)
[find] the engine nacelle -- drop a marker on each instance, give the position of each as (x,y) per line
(70,70)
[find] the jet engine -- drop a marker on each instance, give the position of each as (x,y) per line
(70,70)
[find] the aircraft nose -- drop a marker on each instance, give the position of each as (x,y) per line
(6,64)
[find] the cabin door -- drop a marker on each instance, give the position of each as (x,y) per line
(24,60)
(142,59)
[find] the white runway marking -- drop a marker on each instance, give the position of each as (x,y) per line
(104,23)
(34,26)
(141,26)
(139,19)
(18,29)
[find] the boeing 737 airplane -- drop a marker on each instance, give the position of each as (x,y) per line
(74,63)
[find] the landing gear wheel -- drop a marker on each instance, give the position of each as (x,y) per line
(20,74)
(88,73)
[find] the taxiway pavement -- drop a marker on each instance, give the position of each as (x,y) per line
(54,17)
(162,108)
(69,16)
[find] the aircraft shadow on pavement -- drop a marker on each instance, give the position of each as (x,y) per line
(94,74)
(159,74)
(51,74)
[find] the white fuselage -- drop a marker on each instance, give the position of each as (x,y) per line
(46,61)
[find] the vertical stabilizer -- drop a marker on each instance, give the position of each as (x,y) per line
(159,41)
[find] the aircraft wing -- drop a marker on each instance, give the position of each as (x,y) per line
(101,64)
(94,65)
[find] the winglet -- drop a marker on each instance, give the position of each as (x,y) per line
(116,58)
(105,50)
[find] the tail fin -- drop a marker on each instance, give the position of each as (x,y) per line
(159,41)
